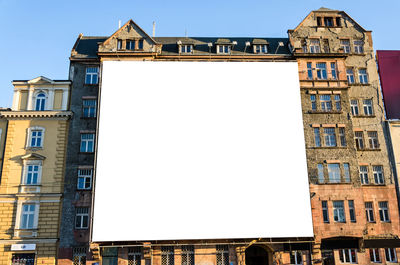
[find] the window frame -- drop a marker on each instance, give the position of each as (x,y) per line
(354,107)
(315,46)
(93,76)
(296,257)
(330,137)
(390,255)
(167,255)
(364,178)
(334,174)
(375,255)
(358,46)
(384,214)
(369,211)
(224,49)
(21,212)
(84,177)
(325,211)
(359,140)
(339,215)
(27,164)
(368,107)
(135,255)
(313,99)
(29,137)
(43,101)
(345,45)
(128,45)
(321,70)
(373,139)
(352,211)
(326,105)
(343,257)
(86,148)
(82,216)
(379,176)
(350,75)
(260,48)
(91,109)
(363,76)
(188,255)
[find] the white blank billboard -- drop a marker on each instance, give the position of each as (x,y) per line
(200,150)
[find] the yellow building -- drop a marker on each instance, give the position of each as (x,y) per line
(34,137)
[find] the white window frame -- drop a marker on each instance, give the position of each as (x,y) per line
(315,46)
(375,255)
(330,137)
(363,170)
(363,77)
(334,173)
(186,48)
(384,215)
(369,211)
(373,139)
(326,104)
(89,107)
(297,257)
(28,163)
(391,255)
(345,46)
(29,132)
(84,177)
(261,48)
(367,106)
(358,46)
(342,255)
(86,149)
(82,215)
(359,139)
(224,51)
(45,98)
(20,212)
(379,177)
(350,75)
(94,76)
(354,107)
(338,212)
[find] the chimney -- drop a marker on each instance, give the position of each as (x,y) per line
(154,29)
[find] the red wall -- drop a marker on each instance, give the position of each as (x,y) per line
(389,72)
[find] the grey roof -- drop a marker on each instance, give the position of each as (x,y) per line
(87,46)
(326,9)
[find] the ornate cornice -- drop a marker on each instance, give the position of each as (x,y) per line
(23,115)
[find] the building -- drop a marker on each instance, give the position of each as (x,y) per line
(352,185)
(33,144)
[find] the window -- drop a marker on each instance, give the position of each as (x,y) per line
(186,49)
(330,137)
(334,173)
(304,45)
(23,259)
(309,71)
(261,48)
(348,255)
(350,75)
(187,255)
(319,21)
(378,174)
(313,102)
(352,211)
(337,102)
(364,175)
(32,174)
(362,75)
(374,255)
(358,46)
(321,71)
(89,108)
(390,254)
(354,107)
(40,104)
(140,45)
(338,22)
(134,256)
(367,104)
(369,211)
(338,211)
(342,136)
(321,175)
(384,212)
(325,45)
(130,44)
(325,212)
(373,140)
(82,218)
(224,49)
(314,46)
(119,44)
(167,255)
(28,216)
(328,21)
(222,255)
(333,71)
(358,136)
(92,74)
(296,258)
(345,45)
(79,256)
(87,142)
(346,169)
(35,137)
(85,179)
(326,102)
(317,138)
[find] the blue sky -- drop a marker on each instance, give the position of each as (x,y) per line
(37,36)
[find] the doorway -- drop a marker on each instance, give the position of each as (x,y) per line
(256,255)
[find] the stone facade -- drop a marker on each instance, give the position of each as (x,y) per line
(35,138)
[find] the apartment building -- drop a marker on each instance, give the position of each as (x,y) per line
(352,186)
(33,143)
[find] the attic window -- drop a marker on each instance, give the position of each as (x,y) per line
(260,48)
(186,48)
(130,44)
(224,49)
(319,21)
(338,23)
(328,21)
(119,45)
(140,46)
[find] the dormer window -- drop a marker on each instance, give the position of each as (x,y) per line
(328,21)
(260,48)
(130,44)
(140,45)
(119,44)
(186,48)
(40,102)
(224,49)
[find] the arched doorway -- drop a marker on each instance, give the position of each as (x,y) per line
(256,255)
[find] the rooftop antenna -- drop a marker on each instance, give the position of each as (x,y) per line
(119,23)
(186,33)
(154,29)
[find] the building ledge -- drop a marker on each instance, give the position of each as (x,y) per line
(36,114)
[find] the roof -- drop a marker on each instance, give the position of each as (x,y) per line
(86,47)
(324,9)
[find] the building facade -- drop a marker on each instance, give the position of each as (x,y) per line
(352,186)
(33,144)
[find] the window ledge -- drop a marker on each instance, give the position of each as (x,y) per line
(369,149)
(324,112)
(359,84)
(334,183)
(329,147)
(373,185)
(364,116)
(34,148)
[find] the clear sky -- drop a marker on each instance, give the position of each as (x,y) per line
(37,36)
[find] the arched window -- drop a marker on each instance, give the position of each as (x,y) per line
(40,101)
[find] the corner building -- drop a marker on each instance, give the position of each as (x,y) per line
(352,186)
(352,190)
(33,144)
